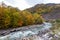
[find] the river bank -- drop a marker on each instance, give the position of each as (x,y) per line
(34,32)
(4,32)
(11,30)
(41,35)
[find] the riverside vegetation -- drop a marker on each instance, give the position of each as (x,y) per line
(56,26)
(11,17)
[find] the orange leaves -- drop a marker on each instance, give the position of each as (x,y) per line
(20,23)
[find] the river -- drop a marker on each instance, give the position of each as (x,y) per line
(40,32)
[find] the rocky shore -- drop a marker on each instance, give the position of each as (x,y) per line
(8,31)
(34,32)
(42,35)
(46,36)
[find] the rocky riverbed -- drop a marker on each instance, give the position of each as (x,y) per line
(47,36)
(35,32)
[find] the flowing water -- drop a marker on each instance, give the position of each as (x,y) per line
(28,32)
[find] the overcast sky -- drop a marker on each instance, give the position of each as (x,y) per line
(23,4)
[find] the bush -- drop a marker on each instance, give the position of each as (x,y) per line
(12,17)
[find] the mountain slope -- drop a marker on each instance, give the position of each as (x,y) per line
(48,11)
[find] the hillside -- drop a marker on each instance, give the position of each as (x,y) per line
(48,11)
(11,17)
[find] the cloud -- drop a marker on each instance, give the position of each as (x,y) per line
(21,4)
(1,0)
(51,1)
(33,2)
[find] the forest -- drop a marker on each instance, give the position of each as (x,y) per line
(11,17)
(41,22)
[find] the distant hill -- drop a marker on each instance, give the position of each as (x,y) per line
(48,11)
